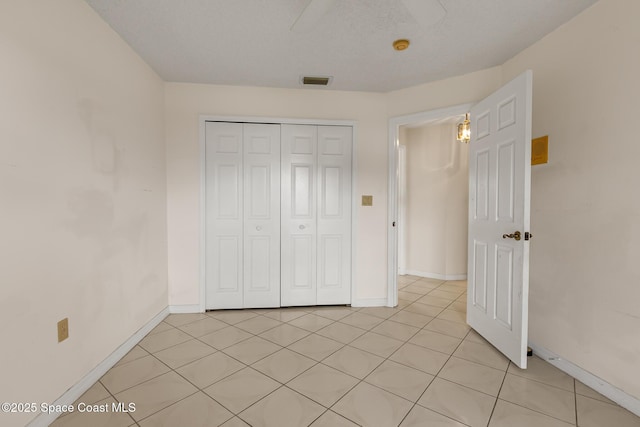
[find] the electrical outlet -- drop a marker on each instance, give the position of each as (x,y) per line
(63,329)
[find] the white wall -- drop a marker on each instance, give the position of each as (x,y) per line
(585,292)
(185,102)
(82,196)
(437,201)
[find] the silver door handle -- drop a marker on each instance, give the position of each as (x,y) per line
(258,228)
(301,226)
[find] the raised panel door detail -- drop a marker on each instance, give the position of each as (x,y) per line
(331,262)
(303,262)
(227,144)
(480,270)
(332,147)
(503,286)
(229,265)
(483,125)
(303,145)
(505,184)
(259,191)
(302,185)
(259,145)
(227,186)
(507,113)
(481,210)
(331,192)
(258,272)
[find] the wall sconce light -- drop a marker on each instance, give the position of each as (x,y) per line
(464,130)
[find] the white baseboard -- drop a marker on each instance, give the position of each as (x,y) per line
(435,275)
(71,395)
(604,388)
(191,308)
(369,302)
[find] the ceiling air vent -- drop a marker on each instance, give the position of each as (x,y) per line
(315,81)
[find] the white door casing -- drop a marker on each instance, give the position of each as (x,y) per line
(499,204)
(261,215)
(298,211)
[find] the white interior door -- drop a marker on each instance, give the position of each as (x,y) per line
(499,194)
(261,215)
(224,215)
(298,210)
(334,215)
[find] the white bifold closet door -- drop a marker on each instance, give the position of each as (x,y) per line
(316,215)
(242,215)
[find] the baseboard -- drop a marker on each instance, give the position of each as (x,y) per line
(190,308)
(71,395)
(604,388)
(435,275)
(369,302)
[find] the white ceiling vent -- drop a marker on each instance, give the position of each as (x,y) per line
(316,80)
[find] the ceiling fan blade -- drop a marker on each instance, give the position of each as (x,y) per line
(426,12)
(311,14)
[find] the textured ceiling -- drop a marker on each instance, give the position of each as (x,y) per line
(250,42)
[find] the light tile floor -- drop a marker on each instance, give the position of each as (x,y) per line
(415,365)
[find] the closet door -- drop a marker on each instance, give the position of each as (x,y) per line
(334,215)
(261,215)
(299,151)
(224,215)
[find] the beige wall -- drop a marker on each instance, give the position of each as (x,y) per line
(585,218)
(82,196)
(437,177)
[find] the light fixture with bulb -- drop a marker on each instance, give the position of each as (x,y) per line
(464,130)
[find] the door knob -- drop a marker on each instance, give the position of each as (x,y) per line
(515,235)
(301,226)
(258,228)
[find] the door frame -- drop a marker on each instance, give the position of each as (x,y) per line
(392,232)
(204,118)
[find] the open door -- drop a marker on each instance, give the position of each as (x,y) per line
(499,205)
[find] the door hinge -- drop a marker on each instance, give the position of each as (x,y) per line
(393,224)
(527,235)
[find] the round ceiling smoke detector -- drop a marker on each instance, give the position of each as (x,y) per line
(401,44)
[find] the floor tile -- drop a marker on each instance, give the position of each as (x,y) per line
(595,413)
(225,337)
(232,316)
(242,389)
(361,320)
(424,359)
(377,344)
(395,330)
(460,306)
(162,340)
(544,372)
(447,327)
(539,397)
(400,380)
(425,310)
(353,361)
(371,406)
(257,325)
(323,384)
(411,319)
(209,369)
(162,326)
(473,375)
(420,287)
(284,335)
(408,296)
(135,353)
(423,417)
(453,316)
(95,419)
(286,314)
(122,377)
(94,394)
(589,392)
(381,312)
(435,301)
(446,294)
(196,410)
(203,327)
(251,350)
(284,365)
(341,332)
(485,354)
(507,414)
(331,419)
(436,341)
(186,352)
(156,394)
(282,408)
(183,319)
(333,313)
(311,322)
(235,422)
(460,403)
(316,346)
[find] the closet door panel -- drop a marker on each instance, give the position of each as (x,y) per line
(299,205)
(334,215)
(224,220)
(261,215)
